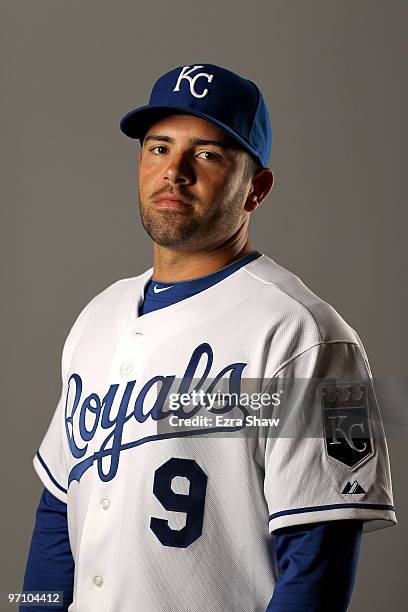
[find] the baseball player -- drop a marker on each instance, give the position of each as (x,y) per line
(157,498)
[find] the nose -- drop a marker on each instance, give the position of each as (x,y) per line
(179,169)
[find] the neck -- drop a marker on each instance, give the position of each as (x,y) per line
(171,264)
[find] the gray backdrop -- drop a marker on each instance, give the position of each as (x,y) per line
(334,77)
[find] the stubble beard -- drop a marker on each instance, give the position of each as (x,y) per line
(175,229)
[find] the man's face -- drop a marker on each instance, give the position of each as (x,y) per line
(186,157)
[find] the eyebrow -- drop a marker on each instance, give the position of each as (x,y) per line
(193,141)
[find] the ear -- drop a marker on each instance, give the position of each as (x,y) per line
(261,186)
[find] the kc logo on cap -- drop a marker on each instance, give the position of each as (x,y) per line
(185,74)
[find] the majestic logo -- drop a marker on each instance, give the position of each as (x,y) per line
(85,416)
(353,489)
(346,422)
(185,74)
(157,289)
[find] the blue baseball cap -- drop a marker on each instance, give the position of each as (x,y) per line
(212,93)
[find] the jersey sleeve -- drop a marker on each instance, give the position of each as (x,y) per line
(328,458)
(51,461)
(318,564)
(50,565)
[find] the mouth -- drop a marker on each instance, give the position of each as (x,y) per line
(174,203)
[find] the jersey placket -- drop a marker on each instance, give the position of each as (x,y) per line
(95,587)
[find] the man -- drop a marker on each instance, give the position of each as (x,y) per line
(164,513)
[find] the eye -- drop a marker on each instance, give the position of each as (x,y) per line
(212,156)
(155,149)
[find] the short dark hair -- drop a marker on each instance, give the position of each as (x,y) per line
(252,167)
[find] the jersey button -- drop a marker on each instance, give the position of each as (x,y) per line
(126,368)
(98,581)
(105,503)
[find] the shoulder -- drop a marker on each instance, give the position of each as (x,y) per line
(113,294)
(107,306)
(285,298)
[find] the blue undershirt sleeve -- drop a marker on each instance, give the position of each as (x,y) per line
(318,564)
(50,565)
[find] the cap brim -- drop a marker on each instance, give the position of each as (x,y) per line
(136,123)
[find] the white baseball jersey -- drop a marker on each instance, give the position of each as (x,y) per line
(162,520)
